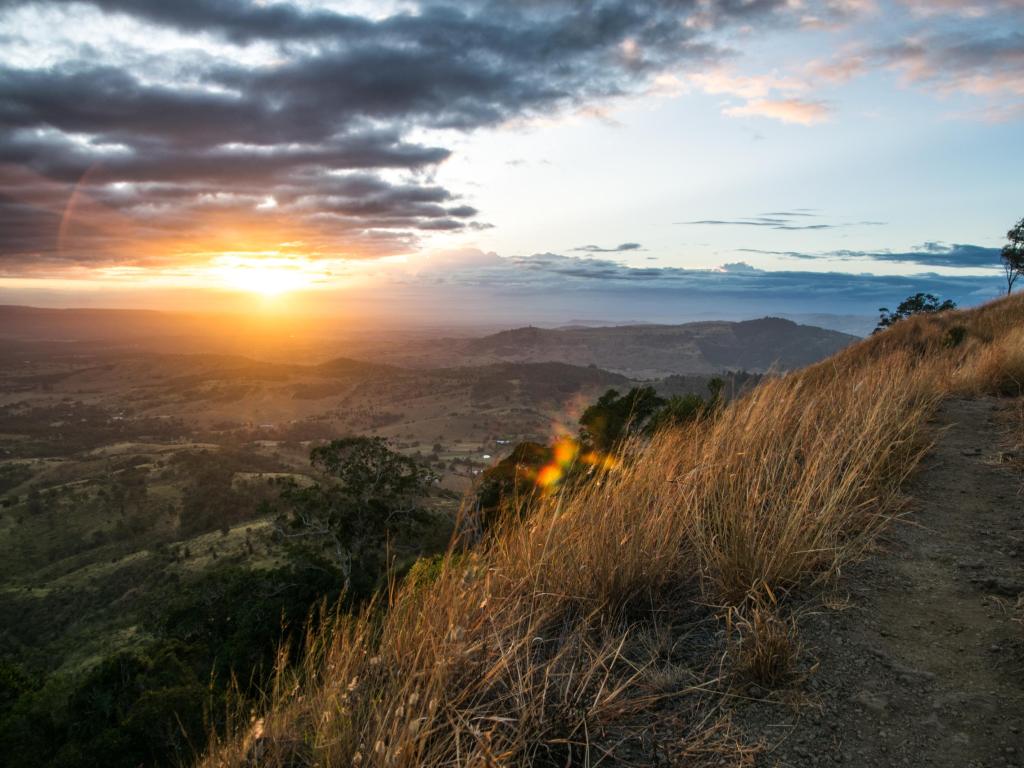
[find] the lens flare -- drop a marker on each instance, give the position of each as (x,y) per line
(567,454)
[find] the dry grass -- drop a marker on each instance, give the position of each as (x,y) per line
(535,646)
(998,367)
(763,646)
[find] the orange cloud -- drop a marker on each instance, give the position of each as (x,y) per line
(746,86)
(798,111)
(772,96)
(839,70)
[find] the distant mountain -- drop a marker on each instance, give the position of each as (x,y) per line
(648,351)
(637,350)
(858,325)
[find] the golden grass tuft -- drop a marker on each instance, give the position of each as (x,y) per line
(763,646)
(997,368)
(534,646)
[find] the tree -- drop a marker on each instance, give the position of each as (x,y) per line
(365,492)
(715,387)
(1012,255)
(614,417)
(919,303)
(679,410)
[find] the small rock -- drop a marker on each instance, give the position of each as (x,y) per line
(874,702)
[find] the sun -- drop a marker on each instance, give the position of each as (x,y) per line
(264,275)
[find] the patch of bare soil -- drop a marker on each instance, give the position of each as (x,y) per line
(920,659)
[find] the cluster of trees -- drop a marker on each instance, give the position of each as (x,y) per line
(70,427)
(614,417)
(919,303)
(604,428)
(154,703)
(210,499)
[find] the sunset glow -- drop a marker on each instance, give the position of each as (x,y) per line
(685,159)
(267,276)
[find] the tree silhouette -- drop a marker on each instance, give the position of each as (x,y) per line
(919,303)
(1012,255)
(609,421)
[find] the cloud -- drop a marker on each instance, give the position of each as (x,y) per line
(137,131)
(834,14)
(949,47)
(840,69)
(971,10)
(186,116)
(797,111)
(781,220)
(721,81)
(524,287)
(617,249)
(772,223)
(946,46)
(929,254)
(739,267)
(983,64)
(769,96)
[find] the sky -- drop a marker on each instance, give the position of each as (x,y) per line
(547,160)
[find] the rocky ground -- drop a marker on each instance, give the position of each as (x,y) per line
(917,659)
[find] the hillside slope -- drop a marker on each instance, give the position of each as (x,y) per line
(621,620)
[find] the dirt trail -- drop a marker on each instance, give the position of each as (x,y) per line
(924,664)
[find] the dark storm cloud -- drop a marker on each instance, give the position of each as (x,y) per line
(932,254)
(157,137)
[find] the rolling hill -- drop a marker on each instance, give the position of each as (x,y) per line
(647,351)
